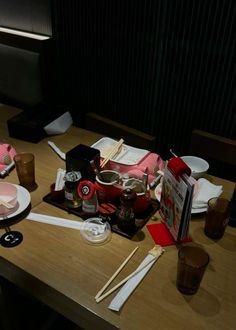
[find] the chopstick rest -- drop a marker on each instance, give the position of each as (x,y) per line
(134,281)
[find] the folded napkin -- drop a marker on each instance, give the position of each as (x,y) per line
(205,190)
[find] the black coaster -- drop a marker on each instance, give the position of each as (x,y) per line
(11,239)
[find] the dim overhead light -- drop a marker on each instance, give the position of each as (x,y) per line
(24,34)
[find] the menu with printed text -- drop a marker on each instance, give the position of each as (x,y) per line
(176,203)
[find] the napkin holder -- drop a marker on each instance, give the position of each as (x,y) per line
(79,159)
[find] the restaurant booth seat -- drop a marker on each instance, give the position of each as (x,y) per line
(114,129)
(219,151)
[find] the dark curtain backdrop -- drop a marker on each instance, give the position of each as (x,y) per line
(161,66)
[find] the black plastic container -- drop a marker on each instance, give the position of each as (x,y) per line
(79,159)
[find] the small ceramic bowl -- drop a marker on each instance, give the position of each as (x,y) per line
(8,194)
(198,166)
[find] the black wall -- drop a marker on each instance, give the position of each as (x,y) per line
(27,15)
(27,76)
(161,66)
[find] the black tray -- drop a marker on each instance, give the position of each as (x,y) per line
(140,221)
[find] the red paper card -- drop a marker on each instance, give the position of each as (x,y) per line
(162,236)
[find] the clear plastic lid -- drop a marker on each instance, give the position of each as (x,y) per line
(95,231)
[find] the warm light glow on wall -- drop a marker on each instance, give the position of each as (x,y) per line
(24,34)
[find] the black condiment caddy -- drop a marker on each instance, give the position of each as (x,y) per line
(140,219)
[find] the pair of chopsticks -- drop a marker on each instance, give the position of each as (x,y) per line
(100,296)
(6,204)
(112,153)
(155,252)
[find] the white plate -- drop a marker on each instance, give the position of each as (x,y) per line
(23,199)
(128,155)
(200,210)
(158,197)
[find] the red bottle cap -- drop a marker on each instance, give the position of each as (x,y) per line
(86,189)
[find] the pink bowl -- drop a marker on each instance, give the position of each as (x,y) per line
(8,193)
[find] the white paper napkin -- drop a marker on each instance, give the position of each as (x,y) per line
(131,284)
(205,191)
(57,150)
(60,125)
(54,220)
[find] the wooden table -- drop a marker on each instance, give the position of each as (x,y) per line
(59,268)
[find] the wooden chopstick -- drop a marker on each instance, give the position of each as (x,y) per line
(6,204)
(112,153)
(116,273)
(124,281)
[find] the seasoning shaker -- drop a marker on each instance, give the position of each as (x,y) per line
(72,198)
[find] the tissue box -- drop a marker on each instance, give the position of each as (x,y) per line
(79,158)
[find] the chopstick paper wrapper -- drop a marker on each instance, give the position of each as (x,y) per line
(132,283)
(63,222)
(57,150)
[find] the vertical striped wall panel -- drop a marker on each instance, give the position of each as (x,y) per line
(161,66)
(27,15)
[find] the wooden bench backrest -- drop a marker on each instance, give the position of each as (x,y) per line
(213,146)
(117,130)
(219,151)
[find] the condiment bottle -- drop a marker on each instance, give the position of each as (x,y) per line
(72,198)
(87,192)
(125,214)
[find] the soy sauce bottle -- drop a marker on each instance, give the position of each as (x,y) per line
(125,213)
